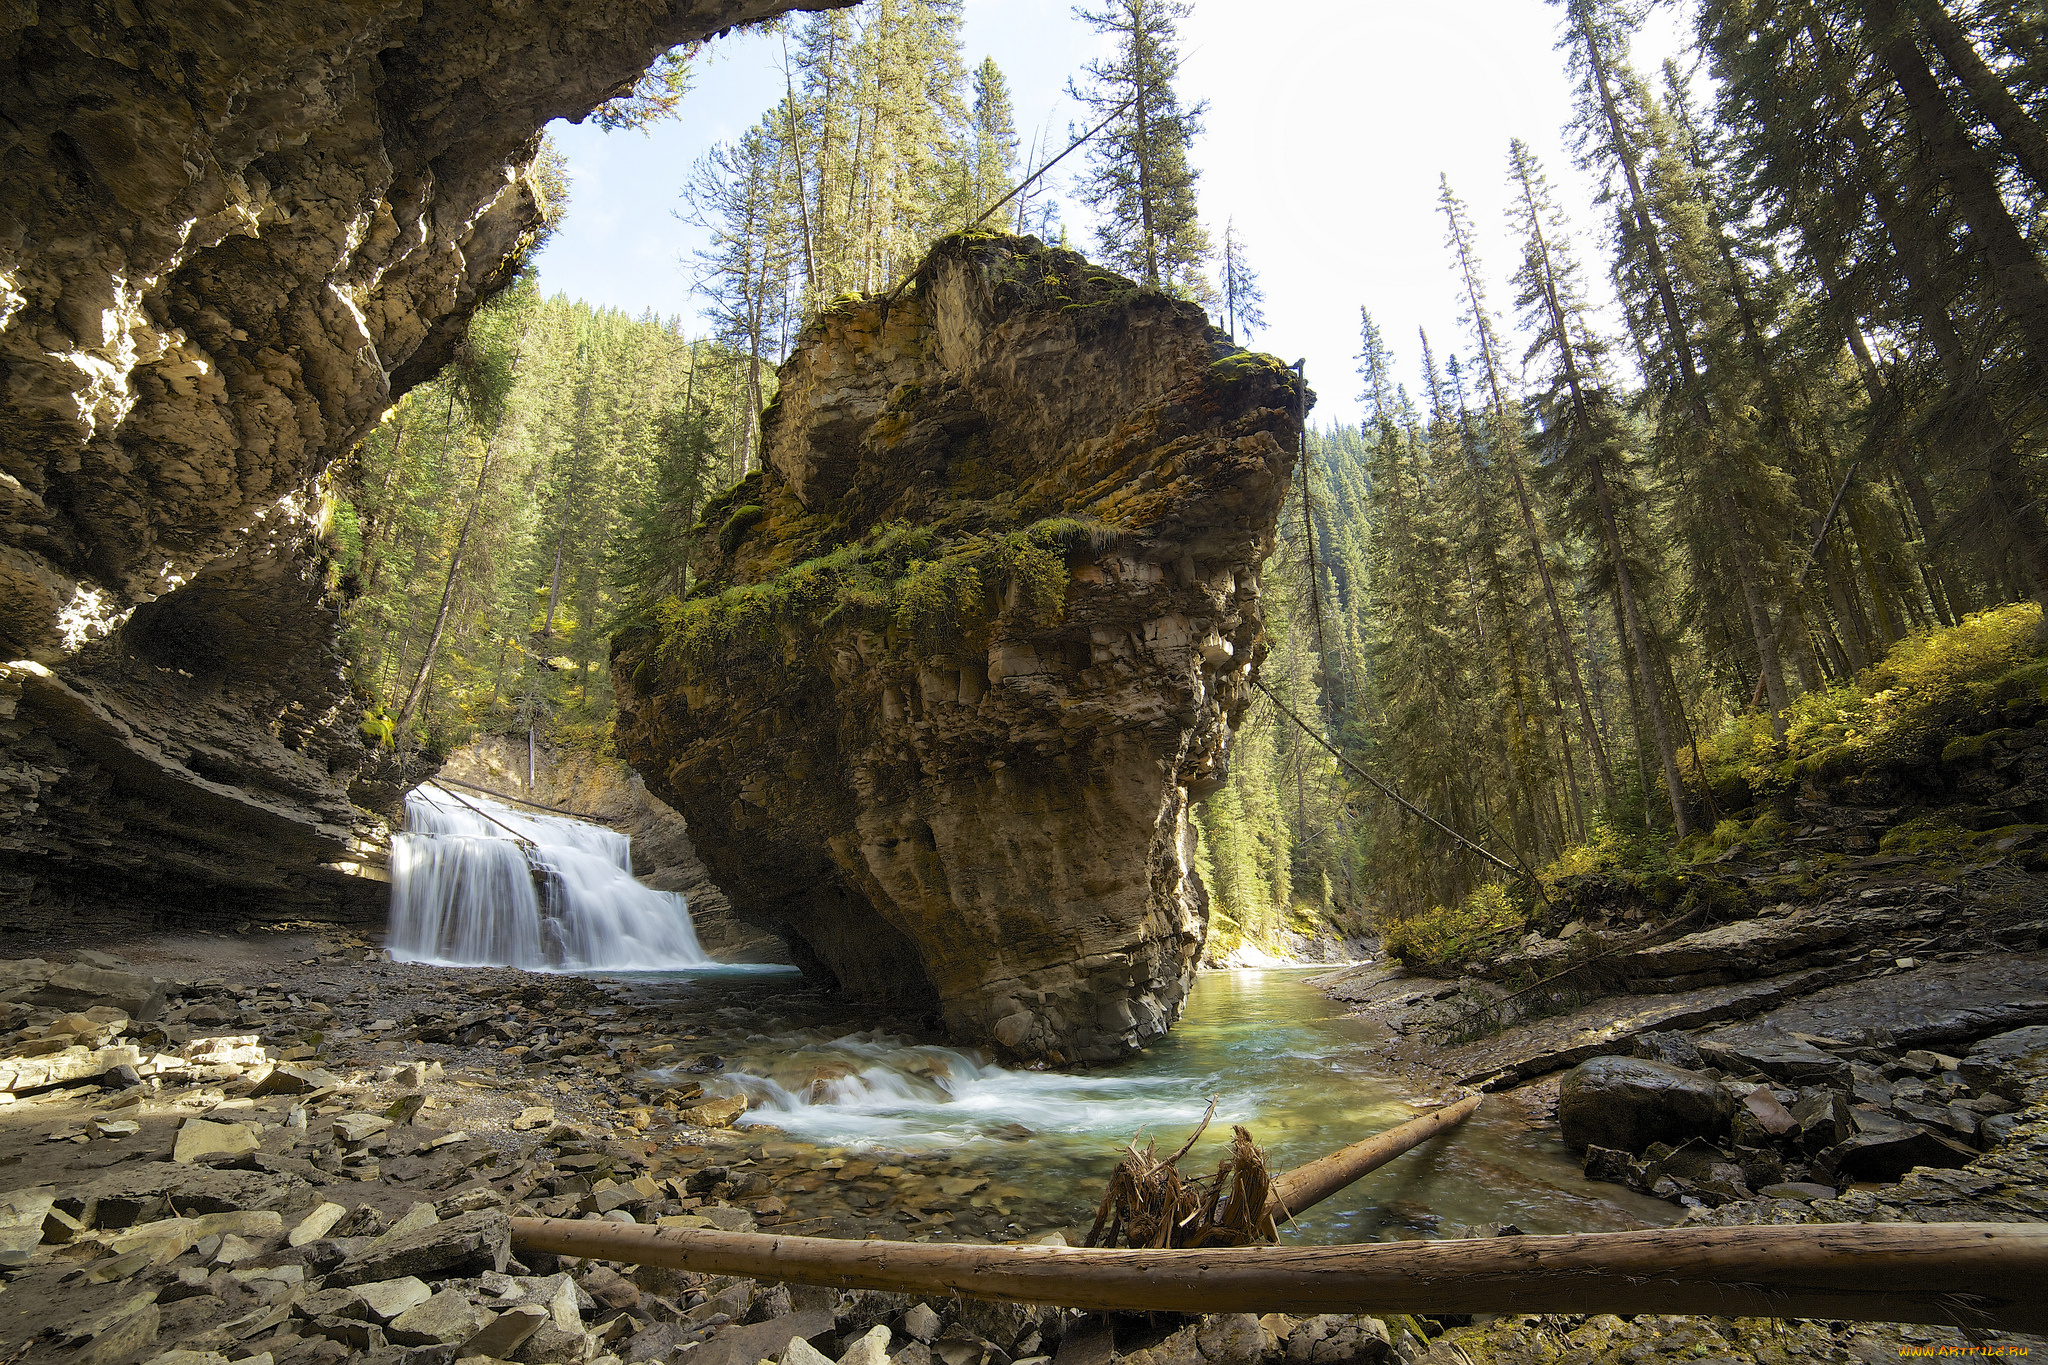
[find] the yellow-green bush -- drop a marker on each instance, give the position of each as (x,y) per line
(1902,709)
(1442,938)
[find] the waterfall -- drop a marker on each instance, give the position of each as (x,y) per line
(466,893)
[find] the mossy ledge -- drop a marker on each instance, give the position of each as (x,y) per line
(957,662)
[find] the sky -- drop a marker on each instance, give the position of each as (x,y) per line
(1328,126)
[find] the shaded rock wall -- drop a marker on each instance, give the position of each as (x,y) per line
(964,654)
(612,794)
(230,235)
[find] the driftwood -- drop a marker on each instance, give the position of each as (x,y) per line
(1149,1204)
(1985,1275)
(1308,1185)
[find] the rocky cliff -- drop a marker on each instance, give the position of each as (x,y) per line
(229,237)
(962,655)
(606,791)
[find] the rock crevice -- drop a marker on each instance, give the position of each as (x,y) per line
(959,660)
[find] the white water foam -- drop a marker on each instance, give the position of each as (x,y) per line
(870,1089)
(466,893)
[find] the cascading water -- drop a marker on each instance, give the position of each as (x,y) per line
(465,892)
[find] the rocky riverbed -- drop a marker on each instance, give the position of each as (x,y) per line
(280,1147)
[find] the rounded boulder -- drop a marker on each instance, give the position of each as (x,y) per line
(1630,1102)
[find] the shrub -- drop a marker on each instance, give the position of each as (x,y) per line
(1440,940)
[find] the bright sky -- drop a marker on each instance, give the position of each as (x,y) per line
(1326,135)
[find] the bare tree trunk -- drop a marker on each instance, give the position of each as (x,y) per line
(419,682)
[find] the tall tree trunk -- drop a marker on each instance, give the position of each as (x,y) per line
(2020,133)
(419,682)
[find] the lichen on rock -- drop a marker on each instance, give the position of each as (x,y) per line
(961,657)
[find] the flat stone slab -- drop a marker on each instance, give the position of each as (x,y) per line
(1941,1003)
(1604,1027)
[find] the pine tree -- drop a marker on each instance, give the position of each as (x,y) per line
(737,192)
(993,151)
(1588,448)
(1140,183)
(1241,295)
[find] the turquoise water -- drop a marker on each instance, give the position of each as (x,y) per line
(1278,1056)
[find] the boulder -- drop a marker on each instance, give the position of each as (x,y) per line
(505,1333)
(2012,1064)
(745,1345)
(198,1138)
(1748,1051)
(80,987)
(447,1318)
(719,1113)
(67,1066)
(1629,1103)
(1888,1152)
(387,1299)
(316,1224)
(466,1245)
(293,1080)
(22,1215)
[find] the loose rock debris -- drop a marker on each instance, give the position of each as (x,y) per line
(321,1166)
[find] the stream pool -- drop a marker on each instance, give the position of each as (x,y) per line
(1279,1057)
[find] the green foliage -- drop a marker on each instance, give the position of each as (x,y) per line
(1441,939)
(378,728)
(736,526)
(1904,710)
(931,593)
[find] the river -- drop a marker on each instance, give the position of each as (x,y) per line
(1279,1057)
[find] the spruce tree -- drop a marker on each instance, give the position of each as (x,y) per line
(1140,182)
(1241,295)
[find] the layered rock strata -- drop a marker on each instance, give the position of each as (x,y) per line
(229,237)
(962,656)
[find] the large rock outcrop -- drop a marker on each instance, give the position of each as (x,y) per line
(962,656)
(230,235)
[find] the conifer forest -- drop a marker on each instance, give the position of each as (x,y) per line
(1585,583)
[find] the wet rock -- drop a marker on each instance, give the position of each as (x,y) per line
(2012,1064)
(1749,1050)
(719,1113)
(1824,1119)
(1887,1152)
(1672,1048)
(1628,1103)
(1805,1191)
(1608,1163)
(1770,1116)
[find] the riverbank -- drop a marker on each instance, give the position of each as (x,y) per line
(312,1153)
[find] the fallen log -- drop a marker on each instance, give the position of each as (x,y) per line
(1986,1275)
(1307,1185)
